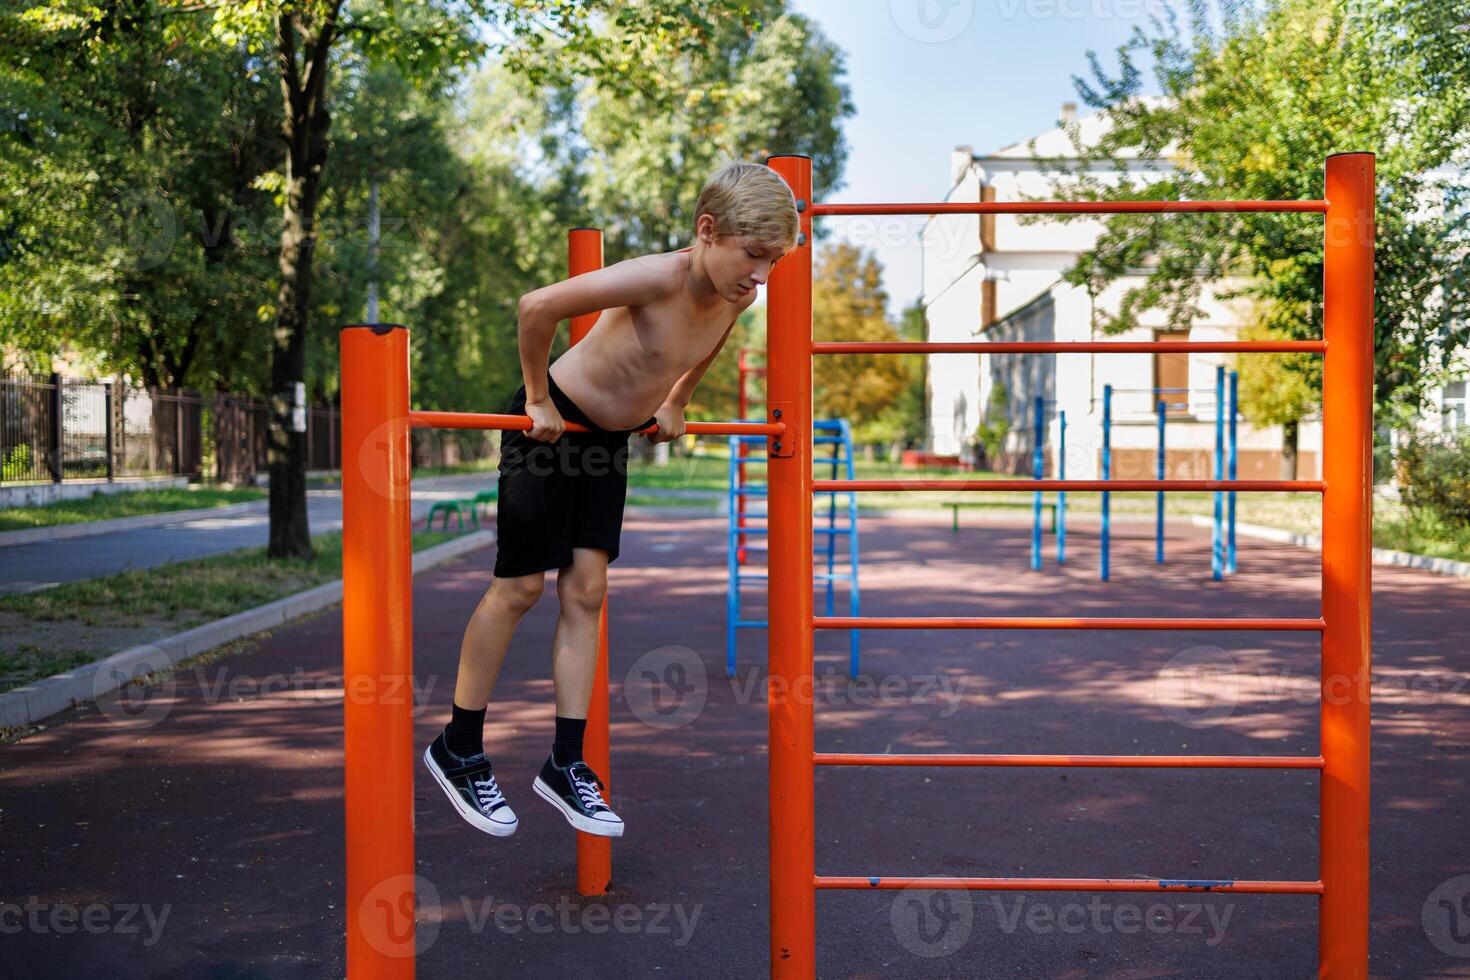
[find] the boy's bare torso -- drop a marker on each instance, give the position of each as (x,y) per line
(626,365)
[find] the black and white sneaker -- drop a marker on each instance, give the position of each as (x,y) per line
(575,790)
(471,787)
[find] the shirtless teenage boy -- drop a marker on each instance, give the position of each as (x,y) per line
(664,319)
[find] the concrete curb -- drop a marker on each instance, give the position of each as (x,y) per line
(36,702)
(84,529)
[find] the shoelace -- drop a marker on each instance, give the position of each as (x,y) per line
(586,786)
(489,793)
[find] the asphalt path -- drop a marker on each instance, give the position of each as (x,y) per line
(41,564)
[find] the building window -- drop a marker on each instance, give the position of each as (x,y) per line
(1171,371)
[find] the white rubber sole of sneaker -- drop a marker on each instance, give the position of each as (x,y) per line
(472,816)
(587,825)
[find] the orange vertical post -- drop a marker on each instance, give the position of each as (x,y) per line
(377,652)
(594,853)
(1347,541)
(790,682)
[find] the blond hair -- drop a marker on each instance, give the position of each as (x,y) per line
(750,199)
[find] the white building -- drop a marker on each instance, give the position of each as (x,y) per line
(998,277)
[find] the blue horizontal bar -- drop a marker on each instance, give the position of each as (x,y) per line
(743,576)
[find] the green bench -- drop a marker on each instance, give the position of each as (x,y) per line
(955,506)
(459,508)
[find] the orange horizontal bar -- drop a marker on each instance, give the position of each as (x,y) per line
(1072,207)
(1060,623)
(1071,761)
(1312,486)
(1076,884)
(1070,347)
(479,420)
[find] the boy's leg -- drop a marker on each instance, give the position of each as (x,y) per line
(566,781)
(482,650)
(580,587)
(456,757)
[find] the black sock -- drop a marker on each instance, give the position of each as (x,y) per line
(568,745)
(465,734)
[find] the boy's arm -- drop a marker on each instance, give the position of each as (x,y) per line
(626,283)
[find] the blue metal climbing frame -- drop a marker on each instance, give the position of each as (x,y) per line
(833,433)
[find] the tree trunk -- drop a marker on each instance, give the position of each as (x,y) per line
(305,131)
(1289,432)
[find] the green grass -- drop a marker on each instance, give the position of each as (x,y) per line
(30,662)
(1297,512)
(711,471)
(191,592)
(1394,527)
(487,465)
(174,597)
(713,505)
(1403,530)
(104,506)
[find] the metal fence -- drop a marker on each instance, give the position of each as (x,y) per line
(54,429)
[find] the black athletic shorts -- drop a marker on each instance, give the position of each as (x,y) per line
(556,496)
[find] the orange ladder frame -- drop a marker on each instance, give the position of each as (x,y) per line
(1346,488)
(377,601)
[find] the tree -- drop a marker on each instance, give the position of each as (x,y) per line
(1277,389)
(633,163)
(901,423)
(1250,107)
(426,41)
(130,157)
(748,94)
(848,303)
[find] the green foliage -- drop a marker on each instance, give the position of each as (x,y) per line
(754,91)
(144,193)
(1276,389)
(1255,96)
(107,506)
(17,465)
(1436,478)
(129,207)
(152,176)
(995,424)
(849,303)
(901,423)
